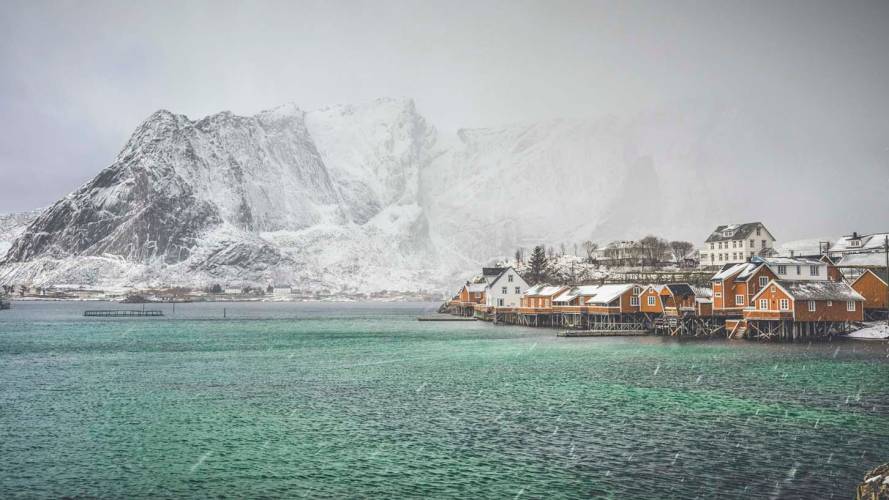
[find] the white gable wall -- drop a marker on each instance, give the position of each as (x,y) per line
(514,286)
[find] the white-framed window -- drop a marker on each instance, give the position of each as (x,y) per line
(637,290)
(812,306)
(782,269)
(829,303)
(503,290)
(711,246)
(739,300)
(500,302)
(509,278)
(717,294)
(651,300)
(758,229)
(850,305)
(784,304)
(855,243)
(763,281)
(634,301)
(518,290)
(752,244)
(814,270)
(764,304)
(763,243)
(799,270)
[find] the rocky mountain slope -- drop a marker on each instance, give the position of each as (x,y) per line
(354,198)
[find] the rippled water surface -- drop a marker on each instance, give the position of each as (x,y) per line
(332,401)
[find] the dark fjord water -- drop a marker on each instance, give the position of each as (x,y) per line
(333,401)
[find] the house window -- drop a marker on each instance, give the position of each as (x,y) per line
(758,229)
(637,290)
(509,278)
(717,294)
(813,270)
(811,306)
(850,305)
(651,300)
(734,244)
(739,300)
(712,257)
(764,304)
(763,243)
(752,244)
(763,281)
(799,270)
(855,243)
(518,290)
(785,304)
(829,303)
(711,246)
(634,301)
(782,269)
(503,290)
(500,302)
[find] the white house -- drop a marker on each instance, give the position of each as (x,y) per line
(736,243)
(796,269)
(281,290)
(506,289)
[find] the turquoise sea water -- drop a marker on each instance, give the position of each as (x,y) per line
(336,401)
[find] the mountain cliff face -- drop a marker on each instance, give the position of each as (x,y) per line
(350,198)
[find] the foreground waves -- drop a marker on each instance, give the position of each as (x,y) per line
(362,400)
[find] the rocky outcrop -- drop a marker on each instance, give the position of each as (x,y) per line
(875,485)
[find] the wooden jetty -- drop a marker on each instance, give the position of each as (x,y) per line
(123,313)
(444,317)
(602,333)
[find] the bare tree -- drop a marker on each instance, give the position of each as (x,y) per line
(653,249)
(680,249)
(590,248)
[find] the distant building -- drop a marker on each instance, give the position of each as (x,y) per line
(858,243)
(736,243)
(281,290)
(873,288)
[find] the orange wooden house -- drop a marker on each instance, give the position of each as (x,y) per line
(735,285)
(873,288)
(802,301)
(615,299)
(541,296)
(672,300)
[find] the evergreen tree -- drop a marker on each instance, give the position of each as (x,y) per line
(538,265)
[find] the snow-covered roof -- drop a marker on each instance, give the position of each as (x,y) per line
(577,291)
(731,270)
(820,290)
(736,231)
(702,292)
(867,242)
(543,290)
(788,261)
(608,293)
(476,287)
(872,259)
(807,247)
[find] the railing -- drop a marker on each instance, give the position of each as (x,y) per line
(767,314)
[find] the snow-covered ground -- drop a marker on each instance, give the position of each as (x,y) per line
(872,331)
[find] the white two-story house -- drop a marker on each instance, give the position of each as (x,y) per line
(737,243)
(506,289)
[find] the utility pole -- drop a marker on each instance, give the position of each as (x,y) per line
(886,251)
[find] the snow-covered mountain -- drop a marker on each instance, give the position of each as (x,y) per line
(354,198)
(12,226)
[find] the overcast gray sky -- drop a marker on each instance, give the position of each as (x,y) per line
(77,77)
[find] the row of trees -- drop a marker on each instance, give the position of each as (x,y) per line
(649,251)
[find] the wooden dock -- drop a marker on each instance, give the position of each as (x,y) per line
(444,317)
(602,333)
(123,313)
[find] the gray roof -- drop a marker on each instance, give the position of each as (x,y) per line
(739,231)
(680,289)
(820,290)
